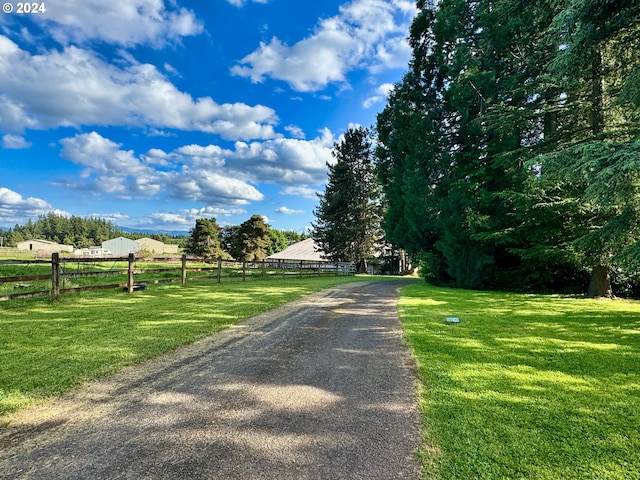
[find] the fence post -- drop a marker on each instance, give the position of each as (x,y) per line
(219,269)
(184,269)
(264,269)
(132,259)
(301,268)
(244,267)
(55,275)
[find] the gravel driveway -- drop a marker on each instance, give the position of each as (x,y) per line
(320,388)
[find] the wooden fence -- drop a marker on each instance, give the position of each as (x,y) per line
(66,272)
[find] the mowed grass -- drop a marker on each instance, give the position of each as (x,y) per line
(526,387)
(49,347)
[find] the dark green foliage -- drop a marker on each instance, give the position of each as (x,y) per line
(248,241)
(494,90)
(77,231)
(228,238)
(251,240)
(597,195)
(349,211)
(278,241)
(293,236)
(204,239)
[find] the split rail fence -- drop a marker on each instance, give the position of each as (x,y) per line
(27,278)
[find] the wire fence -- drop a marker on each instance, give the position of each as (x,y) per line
(64,274)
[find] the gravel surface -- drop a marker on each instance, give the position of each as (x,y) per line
(321,388)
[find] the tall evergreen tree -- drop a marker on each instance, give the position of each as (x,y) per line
(251,240)
(591,176)
(597,182)
(204,239)
(456,131)
(470,140)
(349,212)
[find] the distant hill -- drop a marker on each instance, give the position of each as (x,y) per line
(158,232)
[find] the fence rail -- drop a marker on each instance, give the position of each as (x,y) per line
(71,274)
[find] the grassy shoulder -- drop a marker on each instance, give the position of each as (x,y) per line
(526,387)
(49,347)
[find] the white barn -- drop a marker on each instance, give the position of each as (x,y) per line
(121,246)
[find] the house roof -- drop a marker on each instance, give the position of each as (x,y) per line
(37,240)
(148,240)
(304,250)
(119,240)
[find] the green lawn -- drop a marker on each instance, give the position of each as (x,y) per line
(526,387)
(48,347)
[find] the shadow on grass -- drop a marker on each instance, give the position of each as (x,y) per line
(48,347)
(527,386)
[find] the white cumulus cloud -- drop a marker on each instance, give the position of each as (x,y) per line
(127,23)
(288,211)
(107,168)
(380,95)
(366,34)
(304,192)
(15,142)
(207,174)
(14,207)
(82,89)
(282,161)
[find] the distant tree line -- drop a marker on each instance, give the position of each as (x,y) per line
(77,231)
(251,240)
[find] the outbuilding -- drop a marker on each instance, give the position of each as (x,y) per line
(306,250)
(310,254)
(155,247)
(121,246)
(43,246)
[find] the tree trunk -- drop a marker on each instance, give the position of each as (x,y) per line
(362,266)
(597,95)
(600,283)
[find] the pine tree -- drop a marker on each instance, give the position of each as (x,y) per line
(591,175)
(204,239)
(251,240)
(349,212)
(453,135)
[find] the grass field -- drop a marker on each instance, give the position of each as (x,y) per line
(48,347)
(526,387)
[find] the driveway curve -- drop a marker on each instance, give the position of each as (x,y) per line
(321,388)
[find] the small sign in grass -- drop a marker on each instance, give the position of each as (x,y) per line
(527,387)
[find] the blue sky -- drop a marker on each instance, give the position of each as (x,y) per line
(153,113)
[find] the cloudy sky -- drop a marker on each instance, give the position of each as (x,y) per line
(152,113)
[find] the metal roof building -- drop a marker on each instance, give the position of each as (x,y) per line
(121,246)
(156,247)
(37,245)
(305,250)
